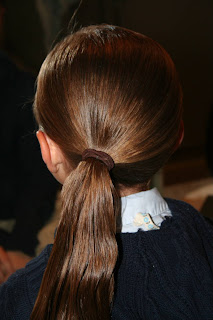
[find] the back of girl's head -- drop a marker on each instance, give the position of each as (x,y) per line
(114,90)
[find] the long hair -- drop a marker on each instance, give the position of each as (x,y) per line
(114,90)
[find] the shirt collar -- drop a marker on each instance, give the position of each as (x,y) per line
(150,202)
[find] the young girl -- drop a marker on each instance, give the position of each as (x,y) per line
(108,103)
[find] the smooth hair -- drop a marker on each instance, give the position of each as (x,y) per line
(114,90)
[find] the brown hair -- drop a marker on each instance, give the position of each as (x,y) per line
(115,90)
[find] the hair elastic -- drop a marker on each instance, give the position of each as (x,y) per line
(99,155)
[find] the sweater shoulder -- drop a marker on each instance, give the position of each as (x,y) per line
(181,207)
(19,292)
(185,212)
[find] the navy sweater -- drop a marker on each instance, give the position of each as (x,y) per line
(161,274)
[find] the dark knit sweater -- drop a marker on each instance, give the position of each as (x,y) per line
(161,274)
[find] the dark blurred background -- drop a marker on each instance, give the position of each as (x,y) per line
(183,27)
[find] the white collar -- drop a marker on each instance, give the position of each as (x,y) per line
(148,206)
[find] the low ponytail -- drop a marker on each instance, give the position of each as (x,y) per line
(78,282)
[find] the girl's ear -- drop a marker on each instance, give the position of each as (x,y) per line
(51,153)
(53,157)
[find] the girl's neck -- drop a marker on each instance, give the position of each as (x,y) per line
(124,191)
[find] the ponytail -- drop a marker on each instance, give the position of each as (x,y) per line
(78,281)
